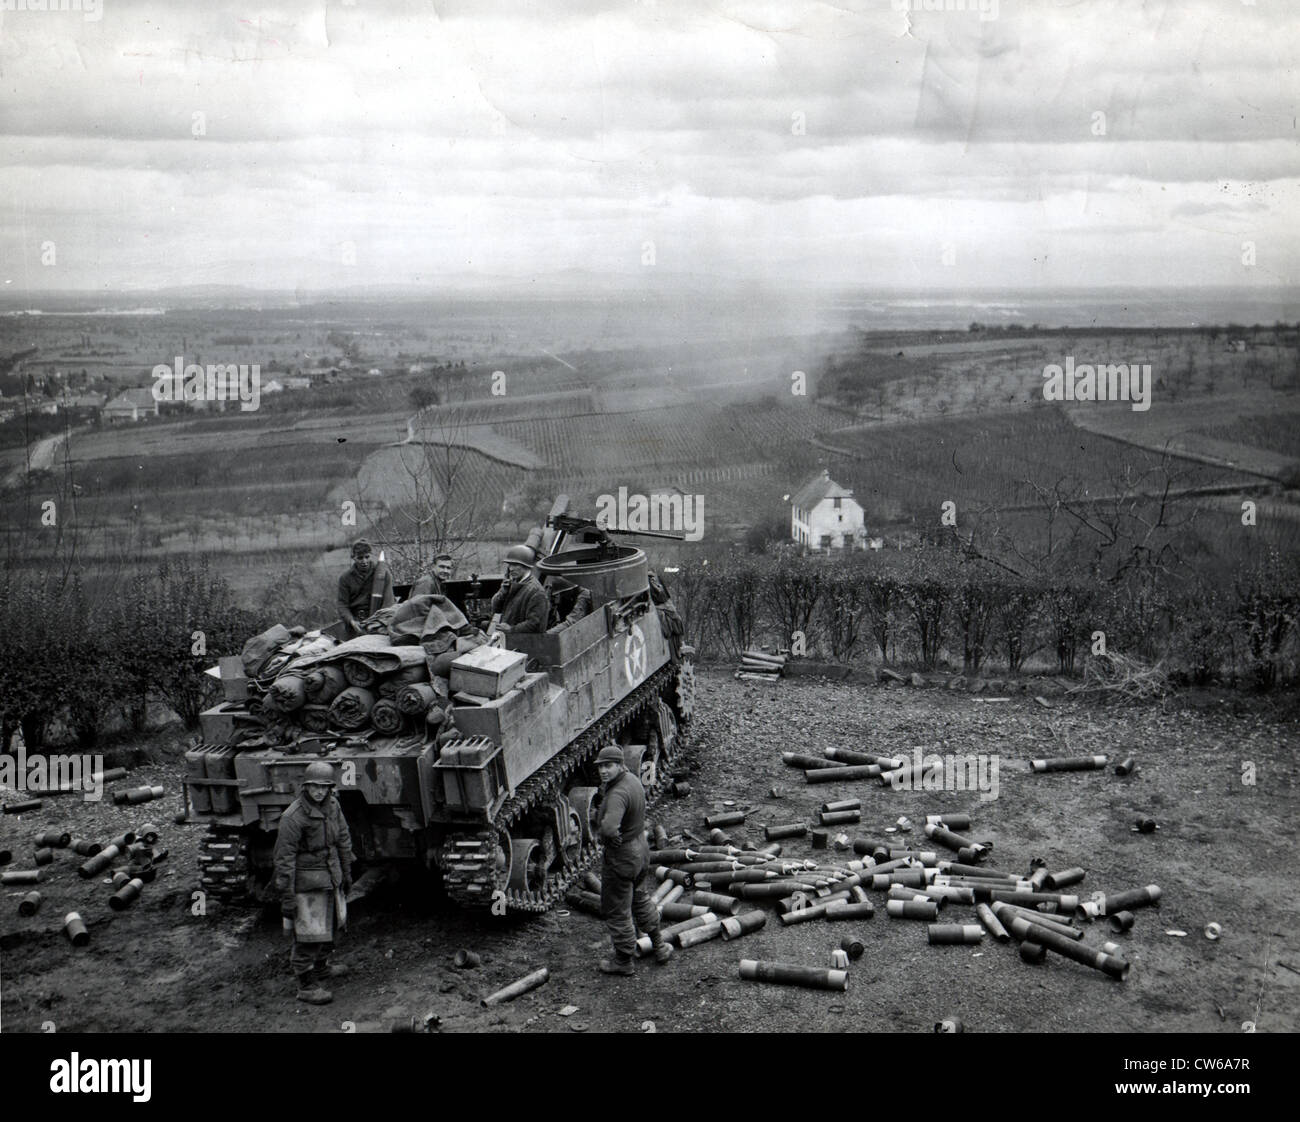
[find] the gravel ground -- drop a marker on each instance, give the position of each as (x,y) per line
(1222,854)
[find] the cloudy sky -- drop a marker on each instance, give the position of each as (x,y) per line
(308,144)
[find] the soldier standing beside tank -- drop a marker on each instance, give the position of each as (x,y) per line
(625,893)
(522,602)
(313,860)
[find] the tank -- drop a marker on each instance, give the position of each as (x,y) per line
(496,799)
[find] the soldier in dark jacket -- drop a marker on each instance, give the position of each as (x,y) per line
(364,588)
(625,877)
(313,860)
(522,602)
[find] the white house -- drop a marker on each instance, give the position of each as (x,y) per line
(134,404)
(824,515)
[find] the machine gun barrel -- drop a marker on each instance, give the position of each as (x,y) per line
(572,523)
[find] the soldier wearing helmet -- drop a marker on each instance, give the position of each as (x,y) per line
(522,602)
(313,861)
(625,895)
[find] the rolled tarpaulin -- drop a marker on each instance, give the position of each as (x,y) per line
(325,683)
(289,692)
(788,974)
(358,673)
(314,718)
(526,983)
(416,698)
(386,716)
(351,709)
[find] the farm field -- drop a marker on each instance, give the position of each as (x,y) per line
(956,415)
(910,469)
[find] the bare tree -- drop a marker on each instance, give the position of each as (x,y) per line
(431,505)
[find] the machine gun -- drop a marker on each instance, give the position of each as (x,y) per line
(594,534)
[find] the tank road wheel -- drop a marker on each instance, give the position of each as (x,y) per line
(580,799)
(652,759)
(686,690)
(224,867)
(667,730)
(571,847)
(527,865)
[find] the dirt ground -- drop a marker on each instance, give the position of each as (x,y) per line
(1226,852)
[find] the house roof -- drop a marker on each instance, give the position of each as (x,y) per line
(83,401)
(819,488)
(139,396)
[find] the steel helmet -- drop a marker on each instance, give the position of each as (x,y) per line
(319,772)
(520,555)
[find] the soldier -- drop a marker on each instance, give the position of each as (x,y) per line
(624,878)
(444,567)
(313,859)
(364,588)
(522,602)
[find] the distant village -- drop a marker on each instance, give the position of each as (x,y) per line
(81,398)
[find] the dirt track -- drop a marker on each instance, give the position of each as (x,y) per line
(1226,852)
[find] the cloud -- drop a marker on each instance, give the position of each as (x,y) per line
(445,136)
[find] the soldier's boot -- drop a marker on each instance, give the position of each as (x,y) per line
(311,991)
(332,970)
(663,951)
(619,964)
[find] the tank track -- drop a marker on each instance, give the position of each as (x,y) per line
(224,863)
(467,859)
